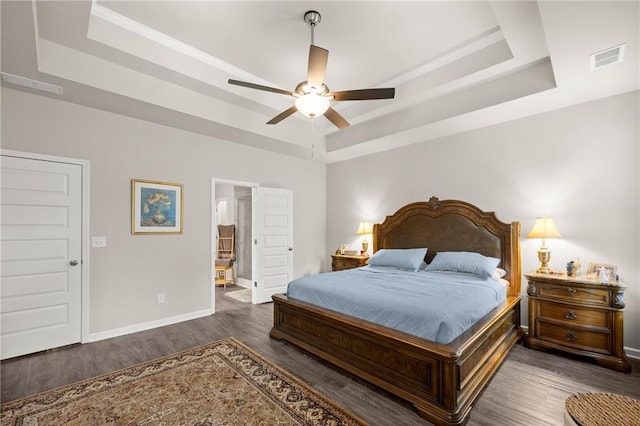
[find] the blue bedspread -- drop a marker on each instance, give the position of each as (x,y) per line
(436,306)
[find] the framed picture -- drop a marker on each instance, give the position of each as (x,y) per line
(594,269)
(156,207)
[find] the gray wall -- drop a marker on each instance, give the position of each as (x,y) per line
(578,165)
(132,269)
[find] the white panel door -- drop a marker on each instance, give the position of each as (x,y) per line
(41,231)
(273,260)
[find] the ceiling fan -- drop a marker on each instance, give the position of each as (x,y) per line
(313,97)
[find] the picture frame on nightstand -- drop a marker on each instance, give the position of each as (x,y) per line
(594,269)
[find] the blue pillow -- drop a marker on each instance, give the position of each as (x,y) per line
(399,258)
(464,261)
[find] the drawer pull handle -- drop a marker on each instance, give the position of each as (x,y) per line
(572,337)
(571,292)
(571,315)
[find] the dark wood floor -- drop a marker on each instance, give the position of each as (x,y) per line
(528,390)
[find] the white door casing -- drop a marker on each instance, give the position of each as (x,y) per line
(244,238)
(41,237)
(273,257)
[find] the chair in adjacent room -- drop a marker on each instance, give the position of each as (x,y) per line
(226,255)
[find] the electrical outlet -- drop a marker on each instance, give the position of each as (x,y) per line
(160,298)
(98,242)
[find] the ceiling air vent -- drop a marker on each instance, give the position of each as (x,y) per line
(608,56)
(32,84)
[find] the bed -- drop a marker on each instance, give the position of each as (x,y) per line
(441,380)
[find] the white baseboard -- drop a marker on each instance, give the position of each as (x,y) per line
(94,337)
(243,282)
(632,352)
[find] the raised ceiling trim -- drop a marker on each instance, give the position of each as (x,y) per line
(485,40)
(150,34)
(533,78)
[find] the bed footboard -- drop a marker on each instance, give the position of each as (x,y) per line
(441,381)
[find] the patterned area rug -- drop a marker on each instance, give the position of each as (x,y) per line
(222,383)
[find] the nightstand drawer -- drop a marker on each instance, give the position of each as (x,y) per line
(577,338)
(574,294)
(573,314)
(340,262)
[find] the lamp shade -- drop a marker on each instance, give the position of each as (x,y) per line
(364,228)
(544,228)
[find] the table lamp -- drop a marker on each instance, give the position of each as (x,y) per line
(544,228)
(364,229)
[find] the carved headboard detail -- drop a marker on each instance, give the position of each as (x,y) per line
(453,225)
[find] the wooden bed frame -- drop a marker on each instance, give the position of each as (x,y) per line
(442,381)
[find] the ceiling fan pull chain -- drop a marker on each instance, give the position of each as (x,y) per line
(313,144)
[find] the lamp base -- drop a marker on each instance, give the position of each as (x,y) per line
(543,269)
(544,256)
(365,247)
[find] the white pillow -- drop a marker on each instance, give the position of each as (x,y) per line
(499,273)
(464,261)
(399,258)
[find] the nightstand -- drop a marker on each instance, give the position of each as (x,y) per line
(578,315)
(340,262)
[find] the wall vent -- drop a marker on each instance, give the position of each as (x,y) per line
(32,84)
(608,56)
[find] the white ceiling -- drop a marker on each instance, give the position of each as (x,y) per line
(455,65)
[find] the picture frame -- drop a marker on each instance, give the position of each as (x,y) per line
(594,269)
(156,207)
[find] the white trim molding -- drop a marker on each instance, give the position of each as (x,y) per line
(107,334)
(632,352)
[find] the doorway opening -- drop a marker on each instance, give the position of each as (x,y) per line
(233,205)
(263,218)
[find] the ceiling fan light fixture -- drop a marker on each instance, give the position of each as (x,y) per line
(313,97)
(312,104)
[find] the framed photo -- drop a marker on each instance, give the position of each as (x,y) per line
(594,269)
(156,207)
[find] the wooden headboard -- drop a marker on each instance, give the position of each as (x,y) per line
(452,225)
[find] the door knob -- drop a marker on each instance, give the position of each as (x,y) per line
(73,262)
(290,248)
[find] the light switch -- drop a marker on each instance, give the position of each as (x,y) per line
(98,242)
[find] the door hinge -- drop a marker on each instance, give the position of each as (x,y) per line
(255,241)
(255,283)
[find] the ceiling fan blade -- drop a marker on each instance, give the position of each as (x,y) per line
(318,58)
(260,87)
(284,114)
(337,120)
(364,94)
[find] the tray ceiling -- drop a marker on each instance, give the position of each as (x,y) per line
(456,66)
